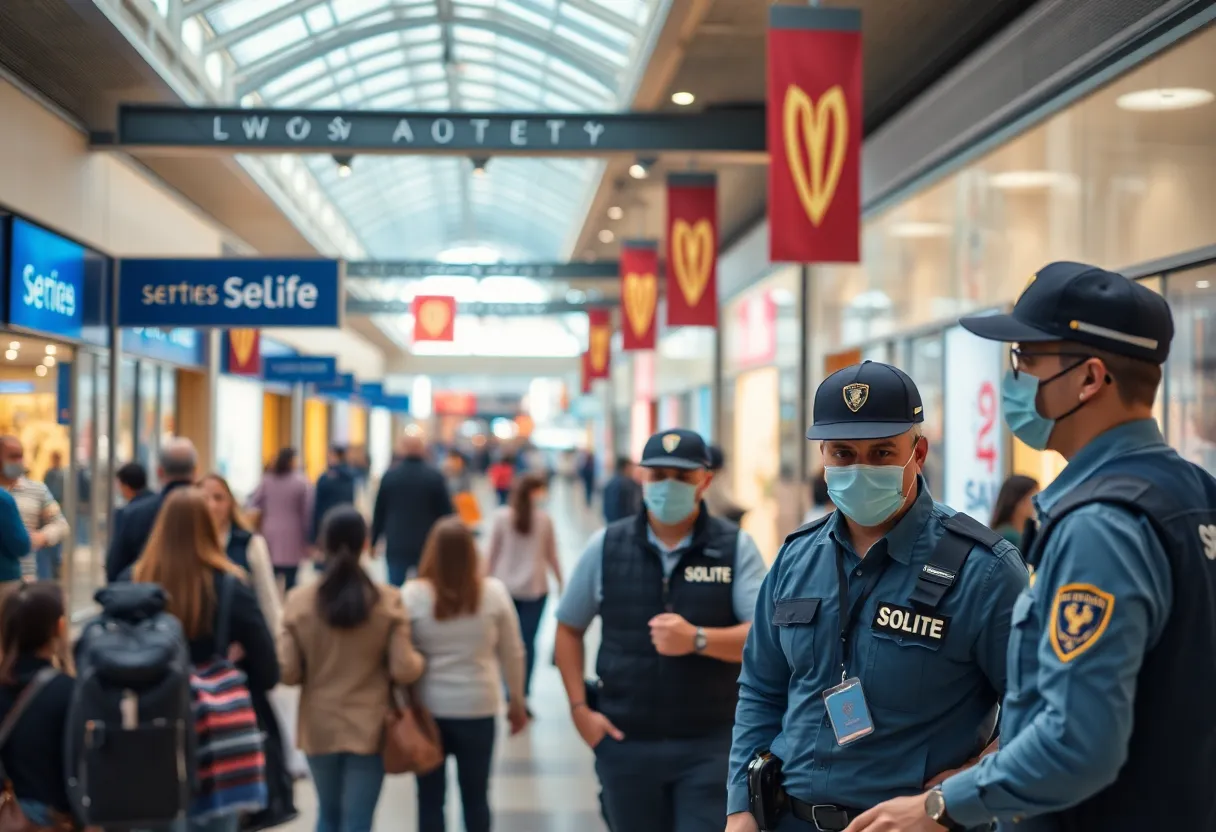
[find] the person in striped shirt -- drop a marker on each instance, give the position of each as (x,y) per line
(40,511)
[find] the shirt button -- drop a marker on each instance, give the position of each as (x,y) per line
(858,572)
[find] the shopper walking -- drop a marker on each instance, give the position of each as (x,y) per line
(345,641)
(40,513)
(466,626)
(133,525)
(1014,508)
(522,553)
(411,498)
(335,487)
(284,503)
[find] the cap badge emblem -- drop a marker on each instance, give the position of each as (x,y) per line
(671,441)
(856,395)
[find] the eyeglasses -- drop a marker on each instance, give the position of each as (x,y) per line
(1016,357)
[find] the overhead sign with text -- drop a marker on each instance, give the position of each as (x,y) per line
(409,269)
(46,281)
(731,130)
(226,293)
(297,369)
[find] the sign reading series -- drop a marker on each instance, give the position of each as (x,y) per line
(814,134)
(46,281)
(692,249)
(238,293)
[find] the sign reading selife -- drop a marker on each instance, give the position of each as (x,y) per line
(230,293)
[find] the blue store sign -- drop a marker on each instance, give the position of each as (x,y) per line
(300,368)
(46,282)
(373,394)
(343,386)
(230,293)
(176,346)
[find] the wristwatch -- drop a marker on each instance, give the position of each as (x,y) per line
(935,808)
(700,642)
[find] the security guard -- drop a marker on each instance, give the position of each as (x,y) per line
(674,588)
(877,657)
(1108,721)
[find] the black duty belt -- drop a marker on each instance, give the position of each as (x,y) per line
(825,817)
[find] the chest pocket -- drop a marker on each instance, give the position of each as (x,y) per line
(794,619)
(900,671)
(1021,663)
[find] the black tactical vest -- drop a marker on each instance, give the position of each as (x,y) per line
(645,695)
(1166,781)
(238,547)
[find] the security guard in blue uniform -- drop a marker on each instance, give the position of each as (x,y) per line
(1108,722)
(877,655)
(675,589)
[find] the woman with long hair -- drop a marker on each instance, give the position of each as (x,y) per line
(465,625)
(34,626)
(1014,508)
(522,553)
(283,502)
(345,640)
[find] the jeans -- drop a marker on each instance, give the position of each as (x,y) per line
(48,560)
(530,614)
(400,571)
(289,575)
(664,785)
(504,494)
(471,742)
(348,788)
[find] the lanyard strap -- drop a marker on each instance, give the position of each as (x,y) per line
(849,620)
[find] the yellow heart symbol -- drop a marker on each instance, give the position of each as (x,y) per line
(641,293)
(600,336)
(807,125)
(242,343)
(434,316)
(692,256)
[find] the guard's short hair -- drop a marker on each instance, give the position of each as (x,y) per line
(1136,381)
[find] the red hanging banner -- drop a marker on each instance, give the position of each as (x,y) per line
(586,372)
(599,343)
(814,134)
(639,293)
(434,318)
(692,249)
(244,352)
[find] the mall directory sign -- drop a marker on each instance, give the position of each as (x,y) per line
(230,293)
(300,369)
(46,281)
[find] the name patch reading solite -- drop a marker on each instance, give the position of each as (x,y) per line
(906,622)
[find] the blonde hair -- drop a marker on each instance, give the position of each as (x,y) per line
(182,555)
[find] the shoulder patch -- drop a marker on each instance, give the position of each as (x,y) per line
(1080,614)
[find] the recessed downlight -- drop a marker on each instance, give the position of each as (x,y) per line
(683,99)
(638,171)
(10,354)
(606,236)
(616,212)
(1027,180)
(40,371)
(1163,99)
(919,230)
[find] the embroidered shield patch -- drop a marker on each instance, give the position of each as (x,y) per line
(855,396)
(1080,614)
(671,441)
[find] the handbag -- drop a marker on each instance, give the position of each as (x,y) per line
(467,508)
(12,818)
(412,744)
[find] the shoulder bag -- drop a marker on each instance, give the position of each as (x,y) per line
(12,818)
(412,744)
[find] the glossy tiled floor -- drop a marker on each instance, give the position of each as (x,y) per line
(544,779)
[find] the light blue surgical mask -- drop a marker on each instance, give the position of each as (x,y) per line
(14,470)
(670,501)
(867,494)
(1018,394)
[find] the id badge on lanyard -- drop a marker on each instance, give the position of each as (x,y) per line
(846,703)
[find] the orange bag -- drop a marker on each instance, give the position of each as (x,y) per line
(467,507)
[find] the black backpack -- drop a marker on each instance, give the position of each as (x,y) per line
(130,740)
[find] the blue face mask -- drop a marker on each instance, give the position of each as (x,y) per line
(867,494)
(1022,415)
(14,470)
(670,501)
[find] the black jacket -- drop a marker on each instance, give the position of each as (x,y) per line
(132,528)
(334,488)
(34,755)
(412,496)
(622,498)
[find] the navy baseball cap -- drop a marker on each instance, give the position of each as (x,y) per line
(866,401)
(676,448)
(1085,305)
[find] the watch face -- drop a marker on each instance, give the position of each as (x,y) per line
(935,805)
(700,641)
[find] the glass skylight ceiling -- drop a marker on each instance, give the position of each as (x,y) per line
(488,55)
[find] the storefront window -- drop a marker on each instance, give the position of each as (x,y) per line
(147,432)
(127,385)
(925,367)
(1191,370)
(168,405)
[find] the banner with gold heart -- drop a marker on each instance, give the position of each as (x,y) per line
(599,343)
(244,352)
(814,134)
(692,249)
(434,318)
(639,293)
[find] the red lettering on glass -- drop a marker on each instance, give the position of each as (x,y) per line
(985,448)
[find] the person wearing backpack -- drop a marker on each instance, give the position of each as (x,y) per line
(220,618)
(34,700)
(346,640)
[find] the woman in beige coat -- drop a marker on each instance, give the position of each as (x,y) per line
(345,640)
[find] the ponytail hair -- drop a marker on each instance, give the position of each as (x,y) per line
(522,503)
(29,621)
(345,595)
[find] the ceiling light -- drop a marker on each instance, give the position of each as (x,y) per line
(1164,98)
(606,236)
(638,171)
(682,98)
(615,212)
(11,355)
(49,361)
(345,163)
(1026,180)
(919,230)
(14,345)
(40,370)
(1203,284)
(50,349)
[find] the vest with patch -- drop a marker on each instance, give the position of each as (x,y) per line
(1167,778)
(645,695)
(238,547)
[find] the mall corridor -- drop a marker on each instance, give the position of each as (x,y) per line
(544,778)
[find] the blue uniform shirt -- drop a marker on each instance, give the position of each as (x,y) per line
(584,593)
(929,705)
(1066,721)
